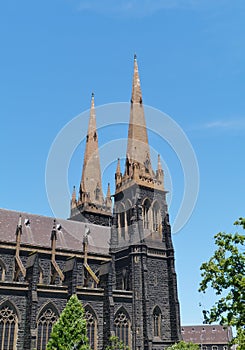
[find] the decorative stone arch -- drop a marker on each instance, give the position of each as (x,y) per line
(122,326)
(157,322)
(46,318)
(9,319)
(2,270)
(146,212)
(92,326)
(156,217)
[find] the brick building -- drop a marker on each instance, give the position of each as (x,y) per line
(209,337)
(117,257)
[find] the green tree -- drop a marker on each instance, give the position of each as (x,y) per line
(225,274)
(70,331)
(182,345)
(116,344)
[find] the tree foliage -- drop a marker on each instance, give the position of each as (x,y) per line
(225,274)
(116,344)
(70,331)
(184,346)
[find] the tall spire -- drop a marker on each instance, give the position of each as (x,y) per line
(138,168)
(90,187)
(138,147)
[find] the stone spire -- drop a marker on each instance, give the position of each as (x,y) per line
(90,187)
(138,147)
(138,168)
(91,205)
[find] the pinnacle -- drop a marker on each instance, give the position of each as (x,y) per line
(118,171)
(159,164)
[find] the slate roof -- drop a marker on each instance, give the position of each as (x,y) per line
(207,334)
(38,232)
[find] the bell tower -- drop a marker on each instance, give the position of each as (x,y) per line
(91,205)
(141,243)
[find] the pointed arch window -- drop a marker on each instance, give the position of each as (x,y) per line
(8,327)
(2,271)
(91,327)
(156,217)
(146,213)
(45,322)
(122,327)
(121,221)
(157,319)
(129,216)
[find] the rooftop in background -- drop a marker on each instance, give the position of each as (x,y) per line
(207,334)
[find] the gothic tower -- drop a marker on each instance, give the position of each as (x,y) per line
(141,243)
(91,206)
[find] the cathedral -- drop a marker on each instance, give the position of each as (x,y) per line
(115,252)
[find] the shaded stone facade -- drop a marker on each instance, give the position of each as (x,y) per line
(119,262)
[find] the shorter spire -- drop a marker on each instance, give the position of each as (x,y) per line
(90,186)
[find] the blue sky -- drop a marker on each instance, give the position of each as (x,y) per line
(191,58)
